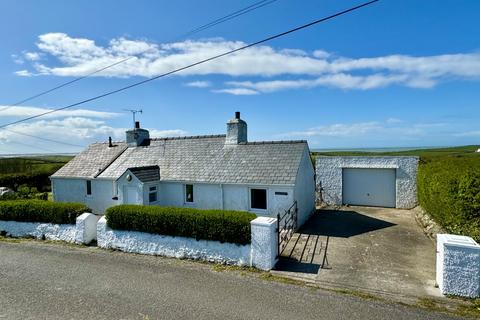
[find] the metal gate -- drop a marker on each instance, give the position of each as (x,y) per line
(286,226)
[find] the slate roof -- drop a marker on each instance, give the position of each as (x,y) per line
(146,174)
(91,161)
(204,159)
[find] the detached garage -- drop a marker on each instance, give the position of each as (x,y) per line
(367,181)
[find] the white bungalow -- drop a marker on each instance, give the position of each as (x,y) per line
(214,172)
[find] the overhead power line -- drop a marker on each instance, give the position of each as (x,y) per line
(196,63)
(254,6)
(232,15)
(44,139)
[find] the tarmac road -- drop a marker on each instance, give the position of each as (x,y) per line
(40,280)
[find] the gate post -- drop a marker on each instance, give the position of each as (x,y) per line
(264,244)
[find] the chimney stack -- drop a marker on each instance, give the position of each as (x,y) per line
(236,130)
(138,136)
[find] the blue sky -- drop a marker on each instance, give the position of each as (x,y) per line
(395,74)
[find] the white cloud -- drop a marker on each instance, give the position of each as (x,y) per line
(237,91)
(20,111)
(338,130)
(73,130)
(339,80)
(23,73)
(321,54)
(394,120)
(80,56)
(17,59)
(198,84)
(32,56)
(475,133)
(388,128)
(167,133)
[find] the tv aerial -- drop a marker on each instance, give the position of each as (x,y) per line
(134,113)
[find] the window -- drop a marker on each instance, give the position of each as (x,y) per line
(89,187)
(189,193)
(152,194)
(258,199)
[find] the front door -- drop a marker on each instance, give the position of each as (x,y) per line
(131,195)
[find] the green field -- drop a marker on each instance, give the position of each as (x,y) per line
(30,171)
(448,185)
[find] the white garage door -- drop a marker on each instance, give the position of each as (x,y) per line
(369,187)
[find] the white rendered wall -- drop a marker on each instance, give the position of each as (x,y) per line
(237,197)
(264,243)
(175,247)
(205,196)
(69,190)
(305,188)
(86,228)
(75,190)
(458,265)
(57,232)
(101,197)
(329,176)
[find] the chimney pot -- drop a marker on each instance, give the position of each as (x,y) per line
(110,142)
(237,114)
(137,124)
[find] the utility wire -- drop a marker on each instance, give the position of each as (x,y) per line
(196,63)
(230,16)
(44,139)
(235,14)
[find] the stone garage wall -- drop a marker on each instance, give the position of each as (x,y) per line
(329,177)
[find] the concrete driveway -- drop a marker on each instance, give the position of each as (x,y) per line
(376,250)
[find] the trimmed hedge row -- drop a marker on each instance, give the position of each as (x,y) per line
(41,211)
(218,225)
(449,190)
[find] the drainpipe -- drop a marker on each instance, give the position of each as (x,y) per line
(221,195)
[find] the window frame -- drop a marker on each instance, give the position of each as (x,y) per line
(185,200)
(152,190)
(250,198)
(88,186)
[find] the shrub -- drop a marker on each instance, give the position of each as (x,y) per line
(449,190)
(219,225)
(41,211)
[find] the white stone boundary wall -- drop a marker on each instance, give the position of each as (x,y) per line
(458,265)
(168,246)
(261,253)
(61,232)
(84,231)
(86,228)
(329,175)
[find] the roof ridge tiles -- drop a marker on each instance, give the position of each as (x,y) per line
(190,137)
(274,142)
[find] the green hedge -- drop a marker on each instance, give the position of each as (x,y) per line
(39,180)
(219,225)
(449,190)
(41,211)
